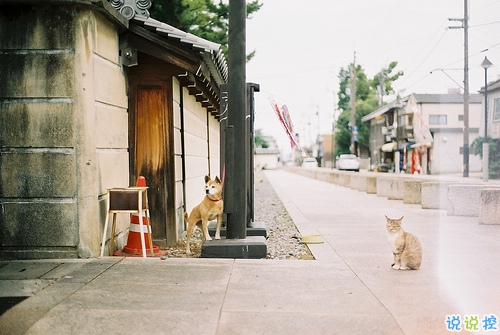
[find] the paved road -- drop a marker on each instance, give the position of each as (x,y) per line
(349,289)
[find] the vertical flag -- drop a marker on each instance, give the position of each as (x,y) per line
(286,121)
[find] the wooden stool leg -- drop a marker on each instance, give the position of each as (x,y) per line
(104,233)
(148,219)
(112,239)
(143,242)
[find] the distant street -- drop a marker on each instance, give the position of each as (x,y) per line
(349,289)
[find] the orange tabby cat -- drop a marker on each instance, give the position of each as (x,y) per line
(405,246)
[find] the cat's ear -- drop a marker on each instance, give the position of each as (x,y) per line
(386,217)
(401,218)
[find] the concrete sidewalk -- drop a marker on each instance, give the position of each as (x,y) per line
(349,289)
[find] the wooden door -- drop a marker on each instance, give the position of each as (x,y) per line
(152,153)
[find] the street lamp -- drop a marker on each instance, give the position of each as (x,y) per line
(485,65)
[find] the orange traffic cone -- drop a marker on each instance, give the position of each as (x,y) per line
(141,181)
(134,246)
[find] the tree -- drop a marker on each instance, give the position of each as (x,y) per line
(493,155)
(202,18)
(259,139)
(367,101)
(170,12)
(384,79)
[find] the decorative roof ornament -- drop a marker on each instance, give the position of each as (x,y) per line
(130,8)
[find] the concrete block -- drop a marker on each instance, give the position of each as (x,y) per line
(382,186)
(390,186)
(435,194)
(412,191)
(358,182)
(115,94)
(37,124)
(27,225)
(489,207)
(371,184)
(39,75)
(113,170)
(333,177)
(106,39)
(464,200)
(322,175)
(38,174)
(345,179)
(256,228)
(251,247)
(111,127)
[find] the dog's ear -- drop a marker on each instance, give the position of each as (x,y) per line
(217,180)
(207,178)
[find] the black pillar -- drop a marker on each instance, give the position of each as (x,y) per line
(236,139)
(251,88)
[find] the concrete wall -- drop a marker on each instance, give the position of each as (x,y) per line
(107,122)
(265,161)
(179,181)
(201,149)
(64,130)
(62,124)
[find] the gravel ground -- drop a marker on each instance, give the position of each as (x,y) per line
(283,238)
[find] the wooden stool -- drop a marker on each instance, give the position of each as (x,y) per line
(133,200)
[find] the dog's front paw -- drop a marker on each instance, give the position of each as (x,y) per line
(217,237)
(209,238)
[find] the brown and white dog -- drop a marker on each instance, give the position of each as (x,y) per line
(209,209)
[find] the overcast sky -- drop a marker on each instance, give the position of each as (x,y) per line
(302,44)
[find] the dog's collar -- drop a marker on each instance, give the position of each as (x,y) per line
(214,200)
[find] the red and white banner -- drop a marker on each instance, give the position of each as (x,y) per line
(286,121)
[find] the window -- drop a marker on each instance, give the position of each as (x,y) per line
(461,117)
(438,119)
(496,110)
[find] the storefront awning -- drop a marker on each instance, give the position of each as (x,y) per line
(388,147)
(405,145)
(422,144)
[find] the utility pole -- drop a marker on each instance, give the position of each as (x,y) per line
(353,107)
(333,129)
(465,26)
(236,152)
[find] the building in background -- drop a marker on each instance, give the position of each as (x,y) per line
(423,133)
(493,110)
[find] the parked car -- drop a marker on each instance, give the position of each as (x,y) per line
(348,162)
(309,162)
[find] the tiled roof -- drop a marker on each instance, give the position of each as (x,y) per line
(384,109)
(492,86)
(136,11)
(211,52)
